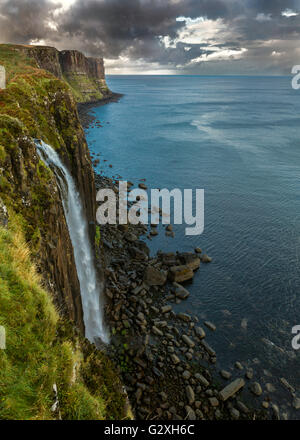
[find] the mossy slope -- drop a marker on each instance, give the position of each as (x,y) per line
(37,268)
(42,349)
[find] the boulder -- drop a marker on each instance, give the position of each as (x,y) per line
(180,273)
(190,395)
(169,259)
(210,325)
(208,348)
(206,259)
(190,259)
(231,389)
(166,309)
(270,388)
(225,374)
(188,341)
(235,414)
(249,374)
(184,317)
(242,407)
(186,375)
(190,413)
(296,403)
(138,254)
(155,277)
(202,379)
(175,359)
(213,401)
(129,236)
(287,385)
(156,331)
(256,389)
(180,291)
(200,332)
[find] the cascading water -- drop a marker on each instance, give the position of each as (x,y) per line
(91,289)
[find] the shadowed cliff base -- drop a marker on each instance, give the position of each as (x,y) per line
(85,110)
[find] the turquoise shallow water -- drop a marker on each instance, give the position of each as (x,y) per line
(239,139)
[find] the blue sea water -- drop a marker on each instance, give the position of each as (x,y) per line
(239,139)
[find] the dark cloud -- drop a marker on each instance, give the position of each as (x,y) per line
(24,20)
(132,29)
(119,24)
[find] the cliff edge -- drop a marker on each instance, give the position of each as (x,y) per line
(48,369)
(84,75)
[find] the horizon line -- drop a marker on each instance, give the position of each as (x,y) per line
(200,74)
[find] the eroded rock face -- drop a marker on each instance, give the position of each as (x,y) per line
(85,75)
(30,189)
(46,57)
(73,61)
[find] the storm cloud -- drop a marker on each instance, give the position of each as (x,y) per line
(176,36)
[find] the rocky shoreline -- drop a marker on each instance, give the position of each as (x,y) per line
(164,358)
(85,109)
(166,364)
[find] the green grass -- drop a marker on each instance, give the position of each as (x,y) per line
(35,358)
(79,84)
(42,347)
(15,61)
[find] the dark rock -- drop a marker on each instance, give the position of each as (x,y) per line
(256,388)
(188,341)
(129,236)
(206,259)
(208,348)
(200,332)
(202,379)
(190,414)
(210,325)
(154,277)
(231,389)
(190,395)
(225,374)
(184,317)
(190,259)
(180,273)
(180,291)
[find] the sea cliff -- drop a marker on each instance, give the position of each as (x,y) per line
(43,309)
(49,370)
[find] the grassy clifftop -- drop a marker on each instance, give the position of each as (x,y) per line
(85,76)
(43,350)
(40,304)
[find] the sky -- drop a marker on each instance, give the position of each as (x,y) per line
(205,37)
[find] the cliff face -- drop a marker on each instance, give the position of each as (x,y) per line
(37,105)
(34,237)
(85,76)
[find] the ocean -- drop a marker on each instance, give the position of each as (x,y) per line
(238,138)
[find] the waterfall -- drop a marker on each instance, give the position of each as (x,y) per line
(91,289)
